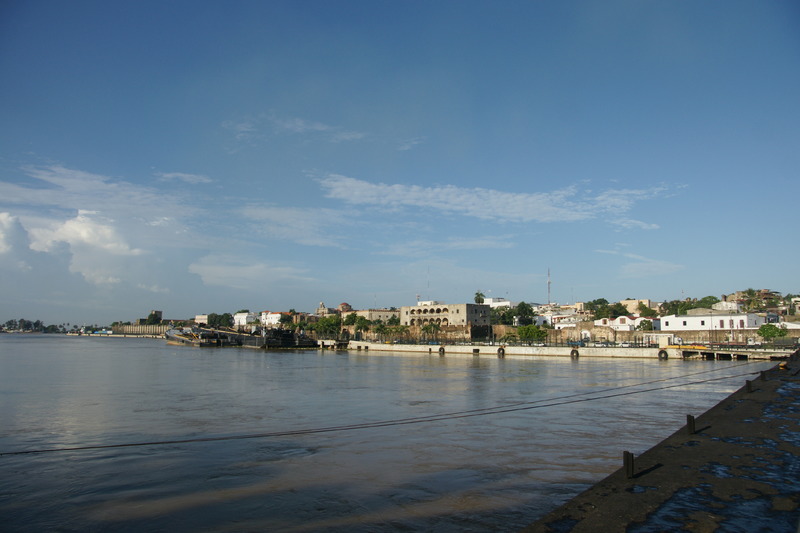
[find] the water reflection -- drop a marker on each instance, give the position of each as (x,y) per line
(496,472)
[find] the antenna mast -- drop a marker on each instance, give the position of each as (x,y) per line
(548,285)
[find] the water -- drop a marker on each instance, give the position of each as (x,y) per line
(497,472)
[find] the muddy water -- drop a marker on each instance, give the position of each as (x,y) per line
(554,427)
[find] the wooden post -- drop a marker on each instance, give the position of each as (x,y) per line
(627,461)
(690,427)
(748,386)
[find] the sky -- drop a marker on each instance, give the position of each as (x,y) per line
(207,156)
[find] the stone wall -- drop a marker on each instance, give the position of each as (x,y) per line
(151,329)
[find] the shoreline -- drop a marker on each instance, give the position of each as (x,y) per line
(732,468)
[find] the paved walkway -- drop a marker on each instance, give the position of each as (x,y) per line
(739,471)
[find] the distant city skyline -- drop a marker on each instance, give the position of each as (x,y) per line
(199,157)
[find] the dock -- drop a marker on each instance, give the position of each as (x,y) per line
(735,467)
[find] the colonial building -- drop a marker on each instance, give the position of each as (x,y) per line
(378,314)
(445,314)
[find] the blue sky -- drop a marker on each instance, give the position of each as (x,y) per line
(201,157)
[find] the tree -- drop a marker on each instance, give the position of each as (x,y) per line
(769,332)
(285,319)
(645,325)
(646,312)
(394,320)
(153,319)
(329,326)
(707,302)
(224,320)
(350,319)
(242,311)
(479,296)
(531,333)
(431,329)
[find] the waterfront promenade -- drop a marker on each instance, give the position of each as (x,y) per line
(734,468)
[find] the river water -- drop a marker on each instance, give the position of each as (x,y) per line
(236,438)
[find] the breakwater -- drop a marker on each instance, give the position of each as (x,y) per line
(733,468)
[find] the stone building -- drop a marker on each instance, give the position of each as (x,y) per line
(427,312)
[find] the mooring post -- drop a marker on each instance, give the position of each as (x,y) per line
(627,461)
(748,386)
(763,375)
(690,424)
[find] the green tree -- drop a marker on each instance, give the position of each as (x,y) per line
(430,330)
(152,319)
(394,320)
(769,332)
(350,319)
(329,326)
(531,333)
(479,297)
(645,325)
(225,320)
(646,312)
(286,319)
(707,302)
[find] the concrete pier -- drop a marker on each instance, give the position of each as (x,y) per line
(502,350)
(734,468)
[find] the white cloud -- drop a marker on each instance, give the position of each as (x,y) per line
(83,230)
(408,144)
(7,223)
(563,205)
(154,288)
(235,273)
(421,247)
(643,267)
(310,227)
(629,223)
(192,179)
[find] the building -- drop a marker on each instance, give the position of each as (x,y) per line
(445,314)
(711,320)
(272,319)
(625,323)
(201,319)
(244,318)
(374,315)
(497,302)
(633,305)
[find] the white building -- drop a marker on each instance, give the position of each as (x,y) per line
(497,302)
(271,319)
(245,318)
(201,319)
(730,307)
(711,320)
(625,323)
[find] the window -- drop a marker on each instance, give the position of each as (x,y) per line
(741,324)
(621,320)
(666,323)
(684,322)
(722,323)
(702,322)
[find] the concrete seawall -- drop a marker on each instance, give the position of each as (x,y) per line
(501,350)
(734,468)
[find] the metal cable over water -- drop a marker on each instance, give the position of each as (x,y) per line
(602,394)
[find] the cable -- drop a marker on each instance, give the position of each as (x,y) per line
(521,406)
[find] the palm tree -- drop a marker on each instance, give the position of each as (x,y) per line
(479,296)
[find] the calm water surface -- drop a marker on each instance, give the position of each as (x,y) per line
(494,472)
